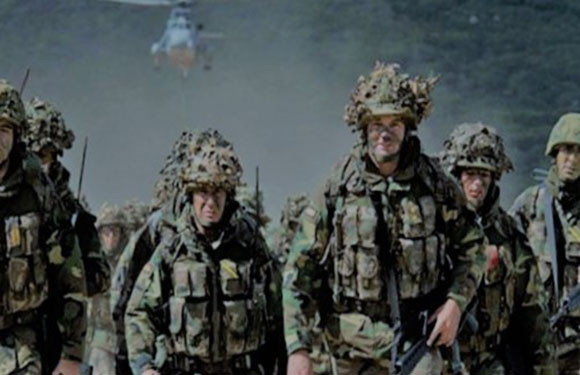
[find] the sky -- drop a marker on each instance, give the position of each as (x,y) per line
(280,79)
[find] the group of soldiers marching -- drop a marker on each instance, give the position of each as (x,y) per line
(403,263)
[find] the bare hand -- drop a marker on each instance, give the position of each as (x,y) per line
(448,317)
(492,254)
(299,363)
(150,372)
(67,367)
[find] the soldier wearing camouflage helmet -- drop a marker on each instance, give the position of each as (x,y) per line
(42,314)
(384,229)
(167,204)
(549,213)
(113,228)
(48,136)
(210,285)
(511,300)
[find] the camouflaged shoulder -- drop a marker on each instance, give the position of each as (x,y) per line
(248,234)
(344,173)
(524,208)
(39,181)
(444,188)
(169,246)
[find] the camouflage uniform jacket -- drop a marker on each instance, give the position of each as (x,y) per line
(510,300)
(38,277)
(135,255)
(335,254)
(102,330)
(96,265)
(529,211)
(216,302)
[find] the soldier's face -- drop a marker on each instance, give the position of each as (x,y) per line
(209,206)
(568,162)
(6,139)
(475,183)
(385,136)
(110,236)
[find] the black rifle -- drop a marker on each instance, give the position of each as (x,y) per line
(570,303)
(50,338)
(385,240)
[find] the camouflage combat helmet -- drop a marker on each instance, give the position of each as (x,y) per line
(387,92)
(162,191)
(111,215)
(136,213)
(293,208)
(475,145)
(566,130)
(212,163)
(246,196)
(46,127)
(11,106)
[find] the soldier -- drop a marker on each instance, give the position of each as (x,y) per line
(550,216)
(114,231)
(48,136)
(283,235)
(209,286)
(41,279)
(511,299)
(168,203)
(390,226)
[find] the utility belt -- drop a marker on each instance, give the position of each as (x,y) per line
(377,310)
(411,309)
(241,364)
(20,318)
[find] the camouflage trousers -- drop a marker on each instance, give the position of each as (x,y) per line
(102,361)
(19,352)
(430,364)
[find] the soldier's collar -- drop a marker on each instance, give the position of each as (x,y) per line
(399,181)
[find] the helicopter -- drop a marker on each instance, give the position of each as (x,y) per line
(183,41)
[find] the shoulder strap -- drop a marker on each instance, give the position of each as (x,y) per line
(551,239)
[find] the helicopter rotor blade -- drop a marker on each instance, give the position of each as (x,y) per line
(211,35)
(145,2)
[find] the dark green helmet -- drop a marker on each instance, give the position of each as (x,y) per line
(566,131)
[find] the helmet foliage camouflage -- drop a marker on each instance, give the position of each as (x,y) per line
(111,215)
(566,130)
(211,163)
(46,127)
(11,106)
(475,145)
(136,213)
(293,208)
(387,92)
